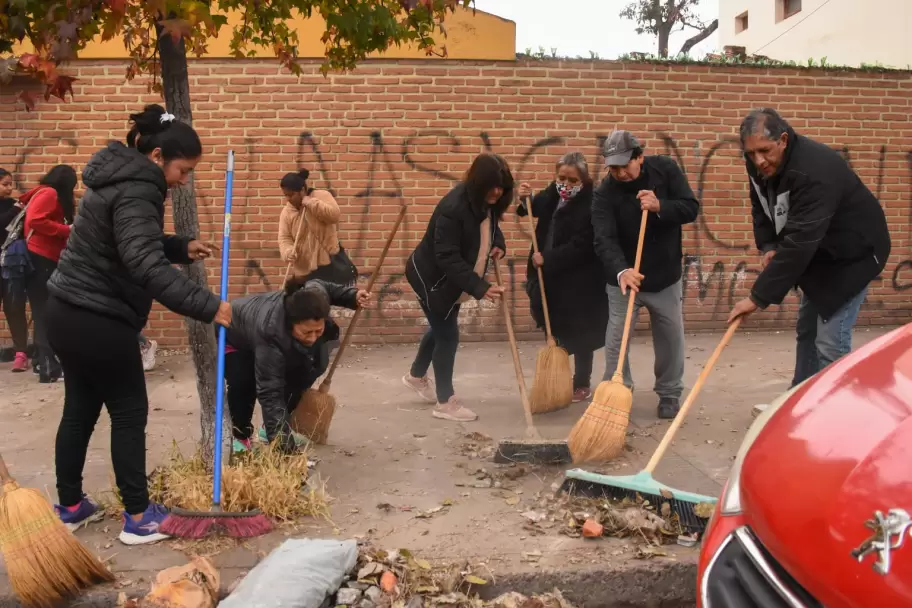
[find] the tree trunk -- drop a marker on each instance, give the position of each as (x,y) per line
(700,37)
(201,336)
(664,34)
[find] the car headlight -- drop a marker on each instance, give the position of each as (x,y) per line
(731,499)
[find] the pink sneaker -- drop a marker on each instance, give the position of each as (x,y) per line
(21,363)
(455,411)
(581,394)
(423,386)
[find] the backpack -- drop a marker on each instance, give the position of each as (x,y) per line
(15,264)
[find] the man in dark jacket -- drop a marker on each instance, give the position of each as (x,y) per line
(818,227)
(639,183)
(278,345)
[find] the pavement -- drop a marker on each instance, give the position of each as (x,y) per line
(386,449)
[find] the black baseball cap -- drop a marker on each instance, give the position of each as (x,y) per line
(619,147)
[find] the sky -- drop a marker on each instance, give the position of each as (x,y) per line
(576,27)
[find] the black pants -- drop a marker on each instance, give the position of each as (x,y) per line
(36,287)
(13,304)
(438,347)
(240,376)
(582,372)
(102,366)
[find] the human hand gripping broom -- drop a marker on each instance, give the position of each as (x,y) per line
(45,563)
(598,436)
(314,413)
(198,524)
(552,386)
(642,485)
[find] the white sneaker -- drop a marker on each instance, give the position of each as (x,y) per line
(148,354)
(424,387)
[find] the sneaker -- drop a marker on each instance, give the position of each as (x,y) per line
(423,386)
(239,446)
(455,411)
(83,513)
(148,349)
(582,394)
(145,531)
(20,363)
(299,439)
(668,407)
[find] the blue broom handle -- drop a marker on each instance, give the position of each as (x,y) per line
(220,365)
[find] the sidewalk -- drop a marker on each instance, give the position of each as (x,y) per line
(389,459)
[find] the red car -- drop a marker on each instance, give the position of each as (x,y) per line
(816,511)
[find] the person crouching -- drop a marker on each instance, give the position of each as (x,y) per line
(276,348)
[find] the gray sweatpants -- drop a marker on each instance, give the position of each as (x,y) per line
(666,317)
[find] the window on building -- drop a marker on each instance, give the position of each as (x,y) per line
(741,22)
(787,8)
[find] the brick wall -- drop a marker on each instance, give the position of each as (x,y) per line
(404,131)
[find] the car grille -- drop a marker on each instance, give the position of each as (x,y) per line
(743,574)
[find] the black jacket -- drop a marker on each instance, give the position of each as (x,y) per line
(8,212)
(258,325)
(573,274)
(616,217)
(117,258)
(441,268)
(830,233)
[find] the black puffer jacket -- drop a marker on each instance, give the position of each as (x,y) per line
(118,259)
(258,325)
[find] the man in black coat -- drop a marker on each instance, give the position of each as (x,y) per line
(638,183)
(818,227)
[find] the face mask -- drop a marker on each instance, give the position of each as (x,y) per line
(566,192)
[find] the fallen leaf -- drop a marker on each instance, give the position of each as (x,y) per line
(704,510)
(423,564)
(474,580)
(512,500)
(666,493)
(448,502)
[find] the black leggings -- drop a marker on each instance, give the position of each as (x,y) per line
(582,363)
(102,366)
(438,347)
(13,304)
(36,287)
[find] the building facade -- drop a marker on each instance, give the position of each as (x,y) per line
(843,32)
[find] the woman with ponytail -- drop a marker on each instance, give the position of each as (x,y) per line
(310,246)
(116,262)
(277,347)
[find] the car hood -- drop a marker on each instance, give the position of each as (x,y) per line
(838,450)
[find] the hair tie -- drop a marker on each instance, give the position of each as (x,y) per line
(166,117)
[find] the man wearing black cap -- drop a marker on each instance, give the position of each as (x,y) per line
(817,226)
(638,183)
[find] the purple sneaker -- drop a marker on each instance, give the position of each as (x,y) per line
(144,531)
(86,512)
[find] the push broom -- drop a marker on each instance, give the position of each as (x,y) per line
(45,563)
(314,413)
(534,449)
(598,436)
(552,385)
(198,524)
(642,485)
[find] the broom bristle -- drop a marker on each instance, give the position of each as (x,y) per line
(599,434)
(45,563)
(553,386)
(187,526)
(313,415)
(190,524)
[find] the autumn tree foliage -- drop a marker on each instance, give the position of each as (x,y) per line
(158,35)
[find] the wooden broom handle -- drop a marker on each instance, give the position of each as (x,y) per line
(324,386)
(297,239)
(5,476)
(622,355)
(692,396)
(517,366)
(541,276)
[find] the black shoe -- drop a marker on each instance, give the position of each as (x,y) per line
(668,407)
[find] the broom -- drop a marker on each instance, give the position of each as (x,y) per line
(534,450)
(45,563)
(599,434)
(198,524)
(552,387)
(642,485)
(315,410)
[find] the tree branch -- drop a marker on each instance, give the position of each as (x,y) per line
(703,35)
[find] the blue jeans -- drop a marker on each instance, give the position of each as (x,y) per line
(822,342)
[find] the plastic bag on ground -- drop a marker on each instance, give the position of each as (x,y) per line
(300,573)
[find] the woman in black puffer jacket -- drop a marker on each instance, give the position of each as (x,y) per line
(117,259)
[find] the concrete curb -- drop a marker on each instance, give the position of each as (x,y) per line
(645,585)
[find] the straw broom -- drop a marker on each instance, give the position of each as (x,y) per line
(315,410)
(598,436)
(552,386)
(45,563)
